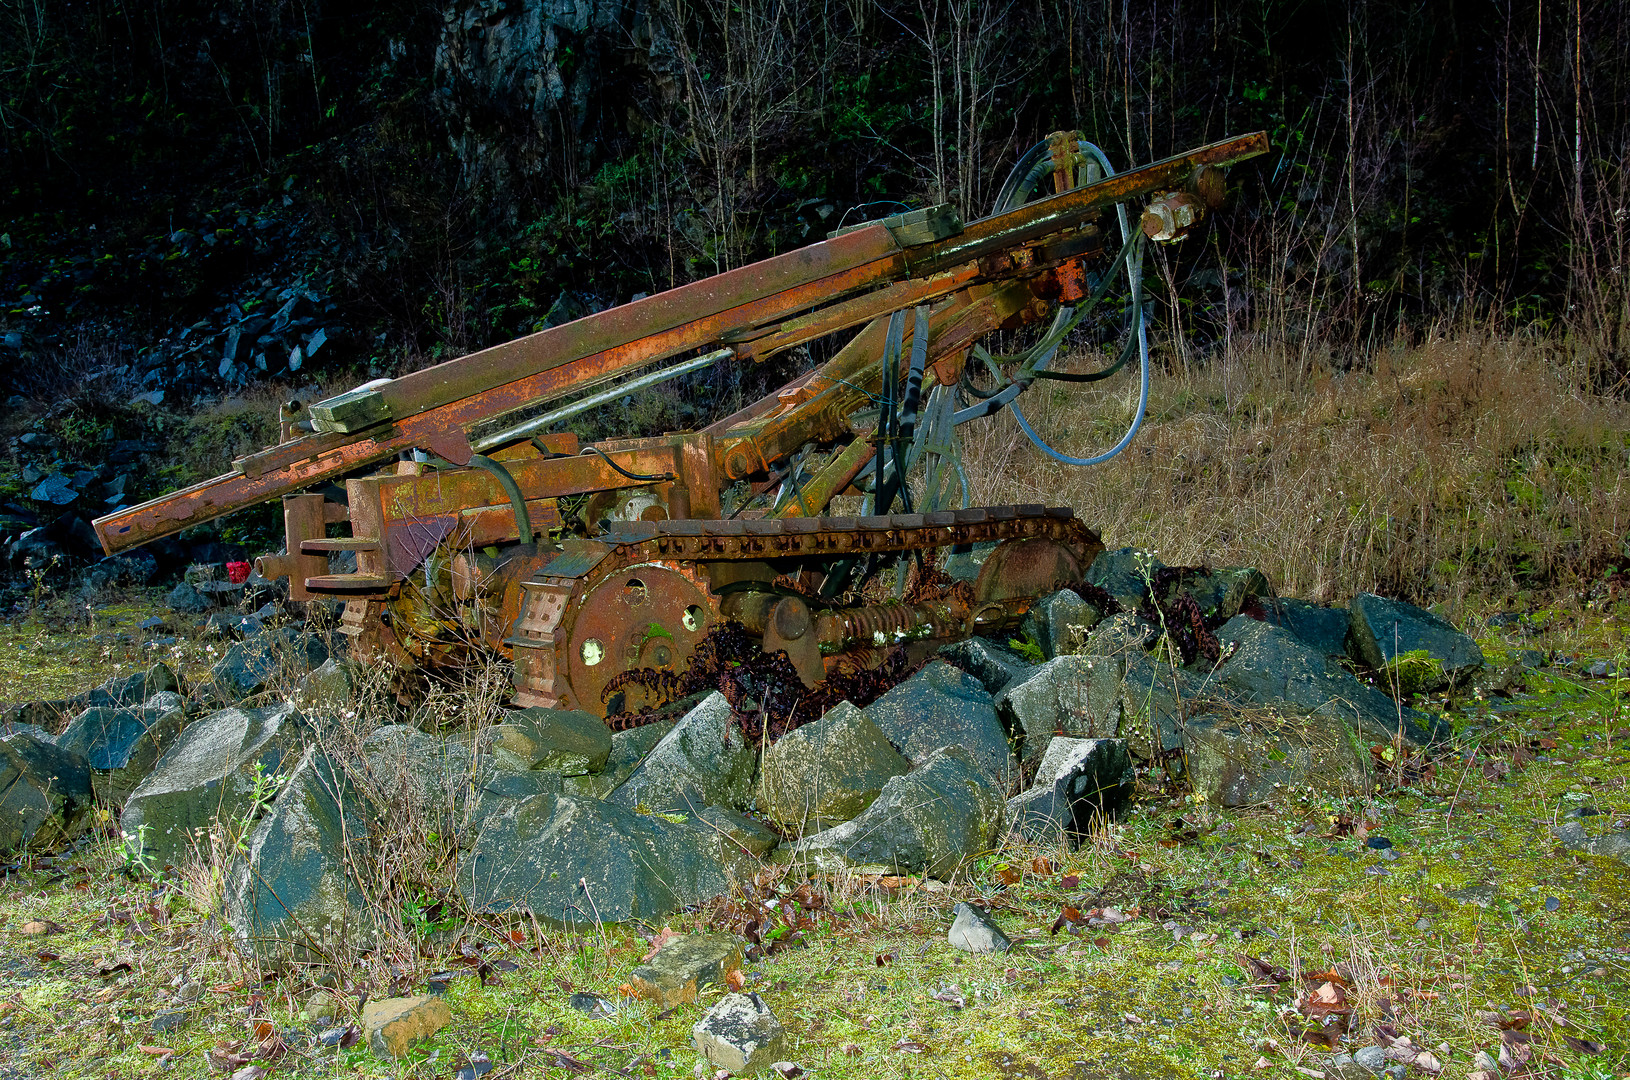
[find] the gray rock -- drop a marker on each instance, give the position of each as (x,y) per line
(294,891)
(990,663)
(737,831)
(122,745)
(261,663)
(437,783)
(1123,634)
(213,772)
(1322,629)
(1251,757)
(974,931)
(679,970)
(329,688)
(498,790)
(1121,572)
(186,600)
(930,820)
(1611,844)
(44,793)
(1373,1058)
(1383,633)
(1078,779)
(1079,696)
(704,761)
(572,743)
(1060,622)
(740,1034)
(941,706)
(827,772)
(1270,666)
(574,862)
(1222,593)
(134,689)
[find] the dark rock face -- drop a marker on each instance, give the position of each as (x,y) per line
(212,773)
(123,745)
(187,600)
(571,743)
(942,706)
(928,821)
(44,793)
(1413,648)
(1270,665)
(574,861)
(1078,780)
(827,772)
(550,75)
(704,761)
(294,892)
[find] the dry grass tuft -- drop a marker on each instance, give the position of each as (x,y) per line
(1463,467)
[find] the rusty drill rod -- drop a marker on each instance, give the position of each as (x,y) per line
(433,409)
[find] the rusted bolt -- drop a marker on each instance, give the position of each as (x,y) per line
(791,618)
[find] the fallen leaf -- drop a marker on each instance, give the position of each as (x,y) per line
(249,1072)
(262,1029)
(352,1036)
(567,1062)
(1041,865)
(1427,1062)
(227,988)
(155,1051)
(885,959)
(1069,881)
(114,969)
(1318,1036)
(787,1069)
(1262,970)
(1007,875)
(1068,915)
(905,1045)
(1584,1046)
(950,995)
(41,928)
(517,937)
(735,979)
(1328,976)
(1326,1000)
(47,957)
(664,936)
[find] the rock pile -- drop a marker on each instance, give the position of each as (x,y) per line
(552,814)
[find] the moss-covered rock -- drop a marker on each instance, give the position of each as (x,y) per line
(122,745)
(1409,646)
(827,772)
(44,793)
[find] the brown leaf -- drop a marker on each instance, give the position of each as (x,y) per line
(664,936)
(885,959)
(1317,1036)
(735,979)
(1068,915)
(1262,970)
(272,1049)
(517,937)
(1007,875)
(1102,943)
(249,1072)
(41,928)
(1584,1046)
(566,1061)
(908,1046)
(1328,977)
(262,1029)
(154,1051)
(565,986)
(48,957)
(352,1036)
(1041,866)
(1326,1000)
(1517,1021)
(114,969)
(1069,881)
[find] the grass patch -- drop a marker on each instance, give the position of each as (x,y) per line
(1473,915)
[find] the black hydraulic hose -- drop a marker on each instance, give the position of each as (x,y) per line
(517,501)
(644,478)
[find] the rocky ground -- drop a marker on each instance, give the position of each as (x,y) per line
(1176,825)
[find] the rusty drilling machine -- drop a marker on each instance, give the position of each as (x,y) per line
(480,528)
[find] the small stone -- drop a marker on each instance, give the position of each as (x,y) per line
(332,1036)
(1372,1058)
(974,932)
(169,1021)
(597,1007)
(1423,923)
(320,1007)
(1379,843)
(740,1034)
(677,973)
(1552,903)
(393,1024)
(186,600)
